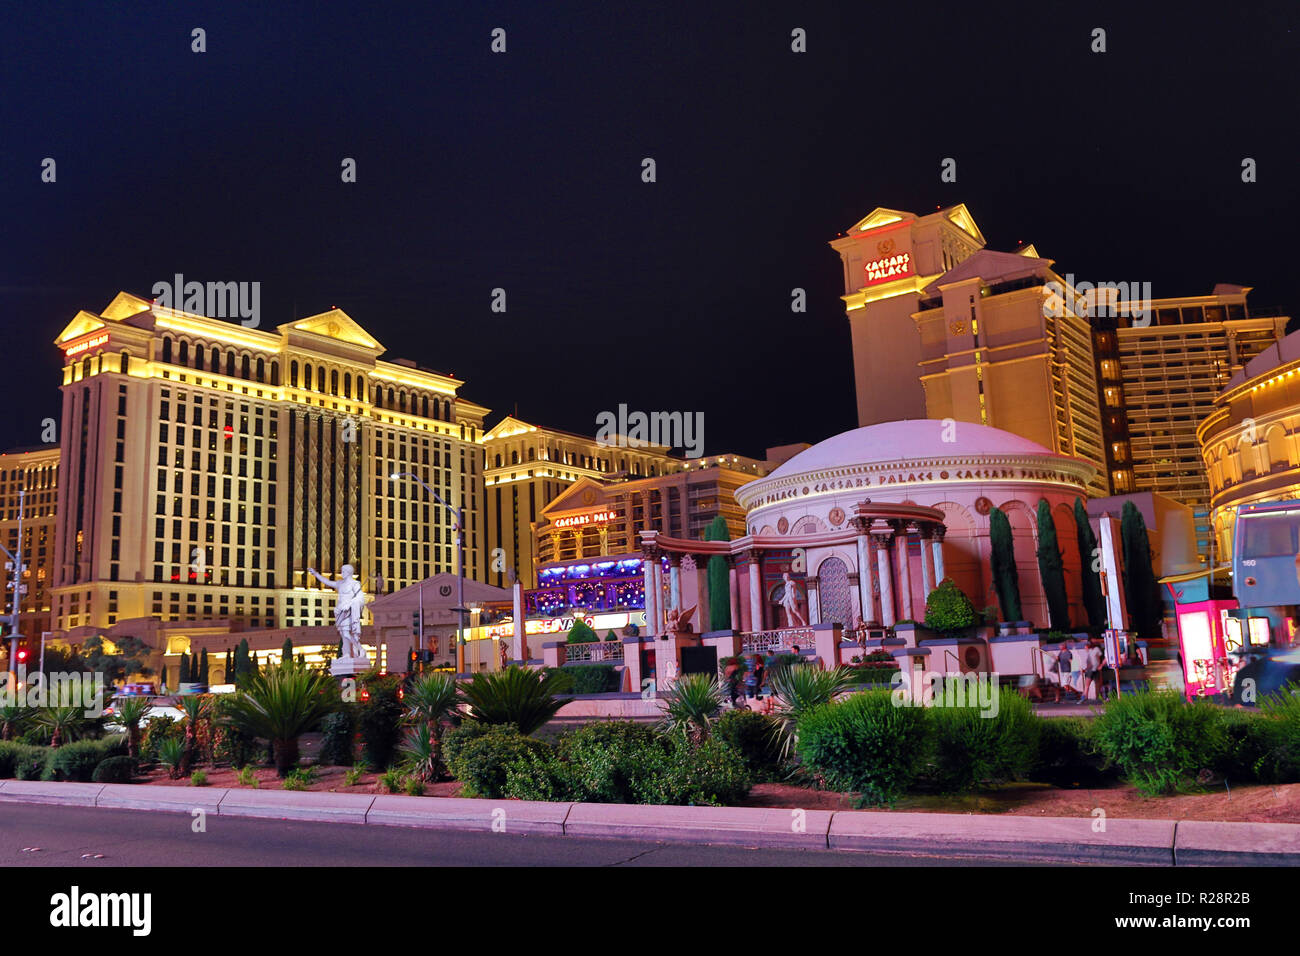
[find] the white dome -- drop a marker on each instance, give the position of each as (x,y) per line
(908,441)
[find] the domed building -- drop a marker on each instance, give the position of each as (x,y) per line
(828,513)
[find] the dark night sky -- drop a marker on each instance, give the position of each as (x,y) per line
(522,171)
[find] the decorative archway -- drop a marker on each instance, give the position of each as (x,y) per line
(834,592)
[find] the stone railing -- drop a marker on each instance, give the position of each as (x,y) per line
(592,652)
(766,642)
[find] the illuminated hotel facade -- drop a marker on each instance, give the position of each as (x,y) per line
(527,468)
(1160,374)
(35,471)
(946,329)
(205,466)
(1249,443)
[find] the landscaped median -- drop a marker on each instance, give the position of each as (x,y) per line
(1025,839)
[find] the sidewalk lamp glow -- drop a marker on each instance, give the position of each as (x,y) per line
(458,516)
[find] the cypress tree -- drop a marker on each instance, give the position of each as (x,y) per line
(1052,570)
(719,587)
(203,667)
(1141,591)
(1090,568)
(230,665)
(286,652)
(1002,560)
(243,666)
(184,676)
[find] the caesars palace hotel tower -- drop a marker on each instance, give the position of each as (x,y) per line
(204,466)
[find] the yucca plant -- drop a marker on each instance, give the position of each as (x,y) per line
(431,700)
(14,718)
(280,704)
(798,690)
(516,695)
(171,754)
(421,749)
(197,709)
(63,723)
(128,712)
(692,705)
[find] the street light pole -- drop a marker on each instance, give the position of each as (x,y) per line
(458,515)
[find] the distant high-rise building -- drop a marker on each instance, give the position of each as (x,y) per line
(36,472)
(205,466)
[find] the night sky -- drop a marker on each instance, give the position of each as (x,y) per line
(523,171)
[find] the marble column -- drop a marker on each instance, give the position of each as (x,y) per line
(902,552)
(675,582)
(927,561)
(647,566)
(659,592)
(814,601)
(755,592)
(886,580)
(936,549)
(733,592)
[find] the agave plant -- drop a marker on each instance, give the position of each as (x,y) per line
(171,754)
(197,709)
(128,713)
(13,719)
(798,689)
(516,695)
(279,704)
(422,753)
(692,705)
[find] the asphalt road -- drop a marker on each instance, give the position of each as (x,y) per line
(73,836)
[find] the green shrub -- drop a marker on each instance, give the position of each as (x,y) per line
(707,773)
(581,633)
(972,747)
(480,763)
(199,778)
(1281,761)
(539,775)
(457,739)
(864,744)
(248,777)
(414,787)
(1067,755)
(1263,745)
(77,761)
(31,762)
(1159,741)
(592,678)
(157,729)
(392,780)
(114,770)
(352,776)
(171,752)
(379,722)
(300,778)
(9,751)
(600,759)
(752,735)
(948,609)
(337,732)
(230,744)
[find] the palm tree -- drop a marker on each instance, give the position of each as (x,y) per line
(197,709)
(430,700)
(798,690)
(129,712)
(279,704)
(13,718)
(691,706)
(516,695)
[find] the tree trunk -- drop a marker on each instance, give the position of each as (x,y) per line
(133,741)
(286,756)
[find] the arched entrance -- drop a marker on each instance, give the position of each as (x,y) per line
(834,593)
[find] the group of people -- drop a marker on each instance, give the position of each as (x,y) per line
(745,682)
(1096,673)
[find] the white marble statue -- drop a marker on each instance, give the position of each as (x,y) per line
(790,601)
(347,609)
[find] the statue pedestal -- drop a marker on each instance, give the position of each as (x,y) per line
(350,666)
(668,660)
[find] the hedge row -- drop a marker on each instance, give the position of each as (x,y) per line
(1157,741)
(73,761)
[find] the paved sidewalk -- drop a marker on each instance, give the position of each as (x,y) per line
(1025,839)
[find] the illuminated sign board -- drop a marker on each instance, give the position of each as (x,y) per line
(1259,631)
(557,625)
(85,344)
(889,267)
(597,517)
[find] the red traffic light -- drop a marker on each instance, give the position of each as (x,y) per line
(22,655)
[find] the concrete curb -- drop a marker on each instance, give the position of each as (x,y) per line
(1032,839)
(1028,839)
(1203,843)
